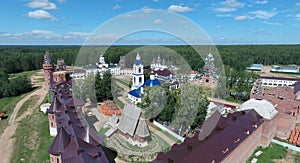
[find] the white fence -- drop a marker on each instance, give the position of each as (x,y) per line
(289,146)
(168,131)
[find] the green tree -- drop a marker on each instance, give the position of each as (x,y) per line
(157,97)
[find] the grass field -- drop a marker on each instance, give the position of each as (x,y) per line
(25,73)
(28,104)
(123,81)
(32,139)
(273,151)
(7,104)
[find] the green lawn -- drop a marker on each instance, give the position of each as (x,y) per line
(171,137)
(273,151)
(119,103)
(25,73)
(102,131)
(7,104)
(32,139)
(123,81)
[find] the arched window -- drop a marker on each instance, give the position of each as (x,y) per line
(140,70)
(140,79)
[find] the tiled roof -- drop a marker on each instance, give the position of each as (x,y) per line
(60,142)
(75,141)
(227,135)
(164,72)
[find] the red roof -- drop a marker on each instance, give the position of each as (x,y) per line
(224,138)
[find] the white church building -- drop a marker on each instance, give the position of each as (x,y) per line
(135,94)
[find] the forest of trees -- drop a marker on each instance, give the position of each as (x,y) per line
(23,58)
(15,86)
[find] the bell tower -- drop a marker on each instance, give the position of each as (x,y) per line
(138,73)
(48,68)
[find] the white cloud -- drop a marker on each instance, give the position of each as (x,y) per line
(42,32)
(262,31)
(40,14)
(261,2)
(157,21)
(42,4)
(116,7)
(298,4)
(263,14)
(297,16)
(178,8)
(133,15)
(224,15)
(233,4)
(241,17)
(219,26)
(147,10)
(61,1)
(270,23)
(225,9)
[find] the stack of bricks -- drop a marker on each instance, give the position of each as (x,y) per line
(109,109)
(295,137)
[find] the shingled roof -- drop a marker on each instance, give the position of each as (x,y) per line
(129,119)
(132,123)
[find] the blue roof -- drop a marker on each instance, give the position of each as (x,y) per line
(151,83)
(136,92)
(138,62)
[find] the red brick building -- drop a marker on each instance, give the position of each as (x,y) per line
(230,139)
(286,101)
(48,68)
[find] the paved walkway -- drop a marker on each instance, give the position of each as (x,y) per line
(289,146)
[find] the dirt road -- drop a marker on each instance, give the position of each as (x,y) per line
(6,138)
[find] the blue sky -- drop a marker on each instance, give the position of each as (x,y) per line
(59,22)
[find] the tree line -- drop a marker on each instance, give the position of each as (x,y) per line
(24,58)
(15,86)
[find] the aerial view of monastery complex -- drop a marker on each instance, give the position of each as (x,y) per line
(157,81)
(119,129)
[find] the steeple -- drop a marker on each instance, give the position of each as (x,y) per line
(138,73)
